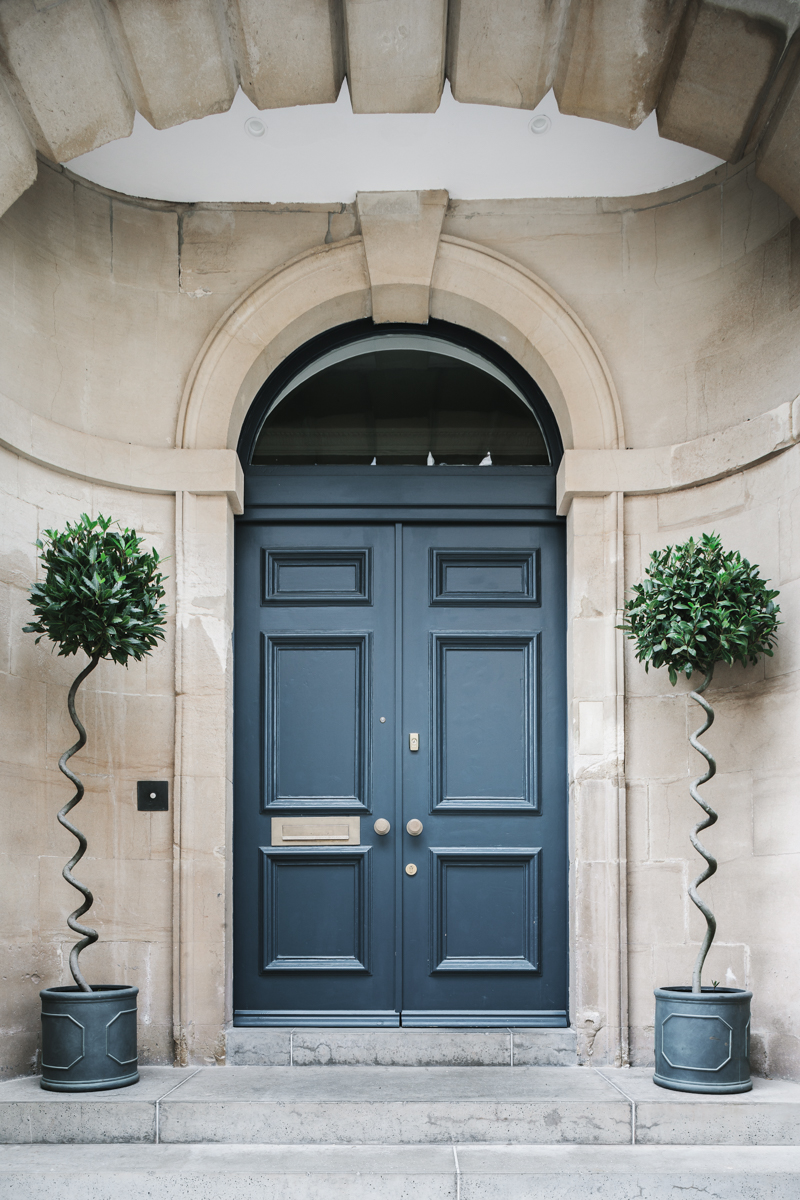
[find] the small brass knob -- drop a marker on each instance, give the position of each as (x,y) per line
(414,827)
(411,869)
(381,826)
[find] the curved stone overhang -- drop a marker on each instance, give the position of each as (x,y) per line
(723,75)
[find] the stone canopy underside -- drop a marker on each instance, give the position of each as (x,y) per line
(724,76)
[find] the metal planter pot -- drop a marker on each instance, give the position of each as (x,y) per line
(89,1038)
(703,1040)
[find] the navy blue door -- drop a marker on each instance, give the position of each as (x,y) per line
(315,666)
(484,915)
(400,670)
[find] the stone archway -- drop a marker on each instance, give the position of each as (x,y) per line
(465,284)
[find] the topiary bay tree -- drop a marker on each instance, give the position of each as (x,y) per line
(101,594)
(697,606)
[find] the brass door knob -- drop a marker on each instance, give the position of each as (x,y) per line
(381,826)
(414,827)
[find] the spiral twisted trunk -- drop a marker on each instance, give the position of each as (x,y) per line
(710,819)
(88,935)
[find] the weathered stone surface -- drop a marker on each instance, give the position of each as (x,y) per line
(401,235)
(613,57)
(62,76)
(224,1173)
(400,1047)
(629,1173)
(17,155)
(395,54)
(397,1172)
(425,1105)
(178,62)
(721,66)
(288,51)
(503,53)
(769,1115)
(778,162)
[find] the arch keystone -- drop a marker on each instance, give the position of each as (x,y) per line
(401,235)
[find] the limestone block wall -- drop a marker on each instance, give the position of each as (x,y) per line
(129,717)
(105,303)
(755,894)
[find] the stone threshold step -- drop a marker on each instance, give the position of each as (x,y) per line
(401,1047)
(455,1172)
(395,1105)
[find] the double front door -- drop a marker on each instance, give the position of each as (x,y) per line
(400,786)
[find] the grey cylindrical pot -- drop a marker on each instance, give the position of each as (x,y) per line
(89,1038)
(703,1040)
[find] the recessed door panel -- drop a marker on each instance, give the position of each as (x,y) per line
(320,577)
(315,909)
(484,707)
(484,577)
(314,708)
(484,909)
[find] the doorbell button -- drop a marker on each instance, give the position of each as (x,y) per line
(413,741)
(411,869)
(414,827)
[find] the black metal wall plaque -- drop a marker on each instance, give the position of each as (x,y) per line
(152,795)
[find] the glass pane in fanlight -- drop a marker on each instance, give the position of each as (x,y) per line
(396,406)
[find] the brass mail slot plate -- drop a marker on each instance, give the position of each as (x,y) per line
(316,831)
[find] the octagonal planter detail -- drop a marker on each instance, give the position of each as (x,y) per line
(703,1039)
(89,1038)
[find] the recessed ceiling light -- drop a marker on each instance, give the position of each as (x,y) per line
(539,124)
(256,127)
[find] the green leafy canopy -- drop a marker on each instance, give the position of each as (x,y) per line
(100,592)
(698,606)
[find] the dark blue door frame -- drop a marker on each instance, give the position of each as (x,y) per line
(437,597)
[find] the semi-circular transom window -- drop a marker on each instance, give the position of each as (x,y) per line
(397,398)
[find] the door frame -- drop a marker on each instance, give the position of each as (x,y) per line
(365,496)
(481,290)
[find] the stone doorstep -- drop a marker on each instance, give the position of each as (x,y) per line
(396,1105)
(454,1172)
(401,1047)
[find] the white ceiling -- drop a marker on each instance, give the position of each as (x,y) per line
(324,153)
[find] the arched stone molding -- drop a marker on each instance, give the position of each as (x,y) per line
(495,296)
(470,285)
(313,292)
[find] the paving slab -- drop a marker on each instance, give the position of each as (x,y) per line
(628,1173)
(391,1105)
(401,1047)
(227,1172)
(403,1172)
(769,1115)
(28,1113)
